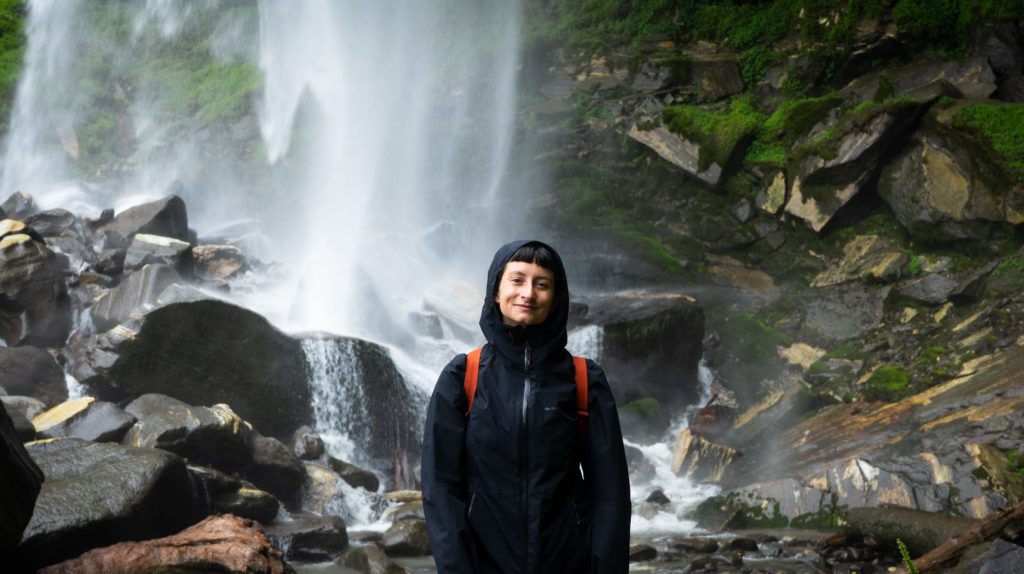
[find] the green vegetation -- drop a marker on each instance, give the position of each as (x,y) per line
(908,562)
(717,132)
(889,383)
(791,120)
(945,24)
(1002,127)
(643,408)
(1015,462)
(754,341)
(914,266)
(12,50)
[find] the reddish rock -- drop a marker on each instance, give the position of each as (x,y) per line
(224,543)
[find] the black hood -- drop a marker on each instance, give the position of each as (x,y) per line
(545,339)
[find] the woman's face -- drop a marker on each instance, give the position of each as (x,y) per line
(525,293)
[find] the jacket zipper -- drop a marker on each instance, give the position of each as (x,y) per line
(524,465)
(472,499)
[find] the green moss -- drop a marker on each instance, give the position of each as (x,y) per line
(945,24)
(888,383)
(791,120)
(914,266)
(643,408)
(1002,127)
(754,341)
(718,133)
(12,51)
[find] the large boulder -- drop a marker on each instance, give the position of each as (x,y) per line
(19,205)
(32,372)
(147,249)
(136,294)
(973,77)
(378,411)
(19,485)
(216,262)
(275,469)
(220,493)
(355,477)
(841,312)
(828,170)
(97,494)
(700,459)
(407,538)
(370,559)
(650,346)
(203,352)
(213,436)
(868,257)
(679,151)
(218,544)
(31,275)
(166,217)
(65,233)
(948,184)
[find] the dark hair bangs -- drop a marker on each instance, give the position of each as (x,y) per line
(535,253)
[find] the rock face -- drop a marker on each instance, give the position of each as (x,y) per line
(678,151)
(32,277)
(213,436)
(218,544)
(407,538)
(364,374)
(214,262)
(166,217)
(972,77)
(221,493)
(700,459)
(32,372)
(136,294)
(651,346)
(19,485)
(937,451)
(98,494)
(147,249)
(275,469)
(834,166)
(845,311)
(867,257)
(99,422)
(203,352)
(943,187)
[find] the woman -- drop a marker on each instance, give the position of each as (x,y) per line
(502,484)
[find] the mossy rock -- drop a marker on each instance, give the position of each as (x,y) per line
(722,135)
(888,383)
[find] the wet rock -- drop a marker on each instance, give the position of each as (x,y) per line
(406,511)
(100,421)
(217,262)
(322,489)
(827,173)
(221,493)
(716,75)
(404,496)
(240,360)
(946,184)
(700,459)
(32,372)
(658,497)
(698,545)
(998,44)
(996,556)
(370,559)
(867,257)
(973,77)
(33,277)
(307,444)
(1011,90)
(110,262)
(920,531)
(136,294)
(213,436)
(642,553)
(147,249)
(19,484)
(217,544)
(678,151)
(275,469)
(165,217)
(97,494)
(368,371)
(19,205)
(27,407)
(66,233)
(931,289)
(845,311)
(356,477)
(742,544)
(407,538)
(652,345)
(310,537)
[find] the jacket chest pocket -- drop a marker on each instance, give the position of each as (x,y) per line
(555,442)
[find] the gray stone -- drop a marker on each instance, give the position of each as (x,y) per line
(221,493)
(23,427)
(678,151)
(370,559)
(99,422)
(845,311)
(146,249)
(165,217)
(32,278)
(96,494)
(217,262)
(310,538)
(19,205)
(931,289)
(27,407)
(275,469)
(972,76)
(407,538)
(32,372)
(307,444)
(355,477)
(136,294)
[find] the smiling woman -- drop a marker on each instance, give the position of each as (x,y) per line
(523,466)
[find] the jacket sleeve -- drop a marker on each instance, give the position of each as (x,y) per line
(607,478)
(443,472)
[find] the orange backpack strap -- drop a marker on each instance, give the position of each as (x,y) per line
(472,372)
(582,400)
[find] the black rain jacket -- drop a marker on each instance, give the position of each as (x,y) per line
(502,488)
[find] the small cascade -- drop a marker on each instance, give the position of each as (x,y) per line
(684,494)
(339,403)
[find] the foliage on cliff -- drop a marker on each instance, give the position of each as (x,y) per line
(12,50)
